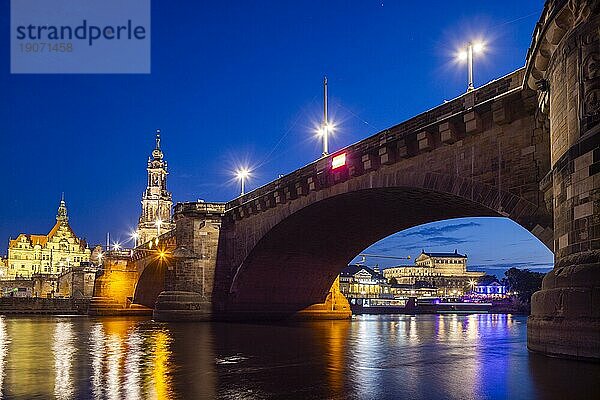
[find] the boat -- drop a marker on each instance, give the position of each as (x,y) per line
(413,305)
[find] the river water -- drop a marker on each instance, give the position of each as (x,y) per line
(370,357)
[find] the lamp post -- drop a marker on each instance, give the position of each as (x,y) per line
(467,55)
(135,236)
(472,283)
(325,120)
(242,174)
(326,126)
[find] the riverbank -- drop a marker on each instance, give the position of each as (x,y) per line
(43,306)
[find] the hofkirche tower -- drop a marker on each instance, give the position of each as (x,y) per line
(156,200)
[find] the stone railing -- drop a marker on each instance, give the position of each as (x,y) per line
(199,208)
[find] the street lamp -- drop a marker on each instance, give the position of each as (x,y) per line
(326,127)
(116,246)
(467,55)
(472,284)
(242,174)
(135,236)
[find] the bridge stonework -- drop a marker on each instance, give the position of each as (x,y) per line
(524,146)
(564,65)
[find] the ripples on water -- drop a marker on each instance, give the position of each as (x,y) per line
(370,357)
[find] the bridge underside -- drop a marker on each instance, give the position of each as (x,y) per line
(295,264)
(150,283)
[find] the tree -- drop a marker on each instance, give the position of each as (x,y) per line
(524,282)
(487,279)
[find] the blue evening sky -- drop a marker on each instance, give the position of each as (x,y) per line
(237,82)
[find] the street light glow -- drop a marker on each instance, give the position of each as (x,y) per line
(116,246)
(466,55)
(242,175)
(134,237)
(478,47)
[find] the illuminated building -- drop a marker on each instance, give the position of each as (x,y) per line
(446,271)
(489,290)
(360,281)
(54,253)
(156,200)
(3,268)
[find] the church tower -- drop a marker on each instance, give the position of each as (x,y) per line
(156,200)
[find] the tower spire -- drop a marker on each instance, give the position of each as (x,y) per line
(157,153)
(61,215)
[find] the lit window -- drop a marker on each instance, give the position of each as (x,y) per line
(338,161)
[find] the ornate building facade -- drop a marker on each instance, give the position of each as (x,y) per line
(447,271)
(360,281)
(157,202)
(54,253)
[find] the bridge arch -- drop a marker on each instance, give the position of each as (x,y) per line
(302,247)
(151,282)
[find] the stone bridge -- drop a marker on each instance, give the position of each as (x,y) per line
(525,147)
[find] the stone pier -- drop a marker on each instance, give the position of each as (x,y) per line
(564,68)
(190,273)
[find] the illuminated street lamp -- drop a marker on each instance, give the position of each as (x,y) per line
(135,236)
(242,174)
(116,246)
(326,127)
(472,284)
(467,55)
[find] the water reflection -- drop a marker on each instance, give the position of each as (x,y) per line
(113,364)
(383,357)
(133,362)
(63,347)
(97,351)
(160,365)
(4,341)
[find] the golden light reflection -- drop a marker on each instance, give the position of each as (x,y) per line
(4,341)
(161,381)
(63,347)
(336,354)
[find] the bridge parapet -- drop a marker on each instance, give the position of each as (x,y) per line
(199,208)
(442,125)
